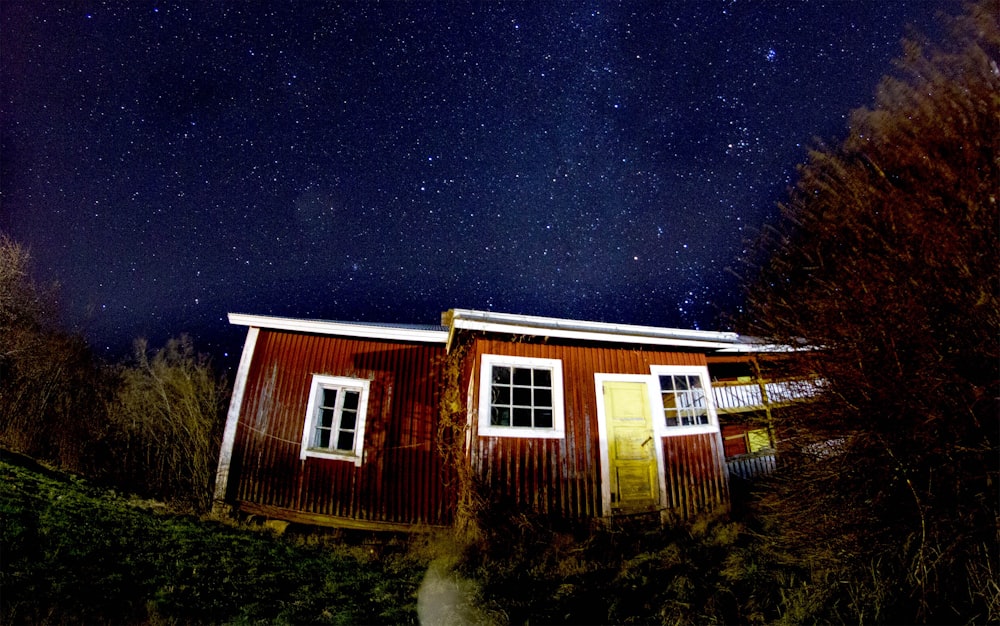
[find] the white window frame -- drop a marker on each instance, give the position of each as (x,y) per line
(319,383)
(683,370)
(487,429)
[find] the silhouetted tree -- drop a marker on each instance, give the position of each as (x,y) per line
(884,270)
(49,389)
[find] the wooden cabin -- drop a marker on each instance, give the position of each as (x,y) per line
(345,424)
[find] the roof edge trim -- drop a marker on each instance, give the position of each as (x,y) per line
(566,333)
(596,331)
(322,327)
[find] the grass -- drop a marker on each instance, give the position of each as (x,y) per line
(74,553)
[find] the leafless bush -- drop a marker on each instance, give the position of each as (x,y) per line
(886,265)
(166,422)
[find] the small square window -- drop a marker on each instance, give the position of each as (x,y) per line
(685,398)
(334,425)
(520,397)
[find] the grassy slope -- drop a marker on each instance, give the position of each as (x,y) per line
(72,553)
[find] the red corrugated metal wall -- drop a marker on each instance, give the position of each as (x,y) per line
(562,477)
(402,479)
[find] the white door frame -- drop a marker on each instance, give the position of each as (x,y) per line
(652,387)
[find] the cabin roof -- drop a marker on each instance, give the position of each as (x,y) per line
(457,320)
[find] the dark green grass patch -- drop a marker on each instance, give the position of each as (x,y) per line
(72,553)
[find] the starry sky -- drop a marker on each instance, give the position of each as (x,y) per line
(169,162)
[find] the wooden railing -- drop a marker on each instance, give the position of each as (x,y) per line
(750,466)
(740,396)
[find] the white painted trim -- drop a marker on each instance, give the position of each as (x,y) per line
(233,416)
(593,331)
(685,370)
(321,381)
(652,386)
(588,335)
(558,430)
(344,329)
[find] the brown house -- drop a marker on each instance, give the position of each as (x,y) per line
(369,425)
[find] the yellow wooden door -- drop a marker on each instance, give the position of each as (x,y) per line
(631,447)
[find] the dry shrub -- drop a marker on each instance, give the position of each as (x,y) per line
(886,265)
(166,422)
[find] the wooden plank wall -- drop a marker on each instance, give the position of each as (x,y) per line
(402,479)
(561,477)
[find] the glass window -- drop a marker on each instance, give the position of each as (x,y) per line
(684,394)
(335,420)
(521,397)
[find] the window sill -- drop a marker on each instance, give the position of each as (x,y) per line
(520,433)
(332,456)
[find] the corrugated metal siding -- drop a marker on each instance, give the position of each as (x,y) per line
(402,478)
(562,477)
(695,474)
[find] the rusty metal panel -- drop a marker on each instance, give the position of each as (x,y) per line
(400,478)
(562,477)
(695,474)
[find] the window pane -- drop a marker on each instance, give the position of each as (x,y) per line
(694,382)
(522,376)
(351,399)
(669,401)
(680,382)
(329,397)
(522,417)
(672,420)
(666,383)
(522,396)
(501,374)
(348,419)
(501,395)
(543,418)
(698,401)
(346,440)
(543,397)
(543,378)
(325,418)
(500,416)
(323,438)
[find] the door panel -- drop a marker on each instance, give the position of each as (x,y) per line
(631,447)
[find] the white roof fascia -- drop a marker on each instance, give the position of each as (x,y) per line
(590,331)
(588,336)
(367,331)
(550,323)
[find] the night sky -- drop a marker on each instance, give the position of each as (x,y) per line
(170,162)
